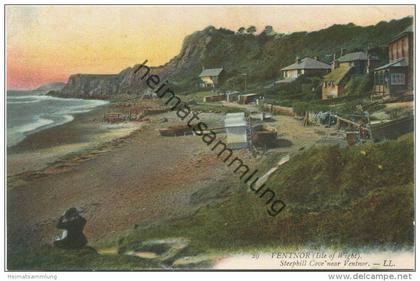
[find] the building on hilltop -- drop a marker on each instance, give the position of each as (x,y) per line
(210,78)
(361,62)
(306,66)
(344,68)
(334,82)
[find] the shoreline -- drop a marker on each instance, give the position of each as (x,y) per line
(44,148)
(114,181)
(126,177)
(48,112)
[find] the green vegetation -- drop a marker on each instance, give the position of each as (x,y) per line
(302,95)
(302,89)
(337,74)
(301,107)
(352,197)
(196,96)
(49,258)
(261,57)
(396,113)
(339,198)
(359,85)
(215,107)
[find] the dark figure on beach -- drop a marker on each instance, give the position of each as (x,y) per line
(72,223)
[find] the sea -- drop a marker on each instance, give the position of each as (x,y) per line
(32,111)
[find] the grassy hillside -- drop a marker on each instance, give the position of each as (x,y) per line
(262,56)
(49,258)
(258,57)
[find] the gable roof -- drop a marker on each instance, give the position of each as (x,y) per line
(308,63)
(338,74)
(356,56)
(398,63)
(211,72)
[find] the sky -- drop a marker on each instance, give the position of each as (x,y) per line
(48,43)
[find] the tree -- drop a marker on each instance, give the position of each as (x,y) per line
(251,30)
(241,30)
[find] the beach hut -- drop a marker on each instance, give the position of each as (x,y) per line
(248,98)
(236,126)
(232,96)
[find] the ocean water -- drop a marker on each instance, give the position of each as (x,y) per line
(32,111)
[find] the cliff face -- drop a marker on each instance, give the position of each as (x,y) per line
(91,86)
(56,86)
(260,57)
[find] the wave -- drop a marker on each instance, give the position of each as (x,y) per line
(38,98)
(39,122)
(45,115)
(23,102)
(17,134)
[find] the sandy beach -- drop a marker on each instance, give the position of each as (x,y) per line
(126,175)
(121,175)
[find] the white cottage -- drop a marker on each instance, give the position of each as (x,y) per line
(236,127)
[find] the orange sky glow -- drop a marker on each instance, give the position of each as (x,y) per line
(48,43)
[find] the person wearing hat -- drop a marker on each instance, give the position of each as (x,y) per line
(72,223)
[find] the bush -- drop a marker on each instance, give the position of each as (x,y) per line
(359,85)
(301,107)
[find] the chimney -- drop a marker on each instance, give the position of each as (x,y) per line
(316,58)
(334,62)
(202,67)
(341,52)
(298,60)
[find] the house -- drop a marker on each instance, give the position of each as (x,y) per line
(396,77)
(236,127)
(210,77)
(356,63)
(248,98)
(361,62)
(306,66)
(334,82)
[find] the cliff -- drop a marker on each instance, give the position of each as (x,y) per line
(55,86)
(259,56)
(91,86)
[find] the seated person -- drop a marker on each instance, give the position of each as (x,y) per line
(72,223)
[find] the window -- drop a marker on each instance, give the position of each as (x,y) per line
(379,78)
(397,79)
